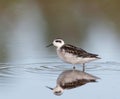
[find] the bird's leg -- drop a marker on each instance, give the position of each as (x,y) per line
(83,67)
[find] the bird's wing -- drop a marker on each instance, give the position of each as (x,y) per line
(77,51)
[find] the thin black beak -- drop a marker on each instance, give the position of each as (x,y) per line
(49,88)
(49,45)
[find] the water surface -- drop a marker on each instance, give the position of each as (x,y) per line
(27,66)
(28,80)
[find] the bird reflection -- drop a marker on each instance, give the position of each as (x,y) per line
(69,79)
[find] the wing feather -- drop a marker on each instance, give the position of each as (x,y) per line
(78,51)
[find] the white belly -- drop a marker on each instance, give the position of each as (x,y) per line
(73,59)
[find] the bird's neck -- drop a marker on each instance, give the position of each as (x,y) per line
(58,48)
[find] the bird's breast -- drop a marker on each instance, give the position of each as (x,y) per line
(67,57)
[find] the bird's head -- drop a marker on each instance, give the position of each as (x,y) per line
(57,43)
(57,90)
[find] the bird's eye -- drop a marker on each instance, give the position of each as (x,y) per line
(58,93)
(58,41)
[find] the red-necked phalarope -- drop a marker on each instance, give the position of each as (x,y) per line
(71,79)
(72,54)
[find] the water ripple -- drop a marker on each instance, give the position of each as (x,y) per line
(54,68)
(57,67)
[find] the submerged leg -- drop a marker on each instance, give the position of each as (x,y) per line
(83,67)
(73,66)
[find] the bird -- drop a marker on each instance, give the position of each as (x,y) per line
(70,79)
(72,54)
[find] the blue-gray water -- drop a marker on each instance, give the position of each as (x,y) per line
(27,66)
(29,80)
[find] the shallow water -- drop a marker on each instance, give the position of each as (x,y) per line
(27,66)
(28,80)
